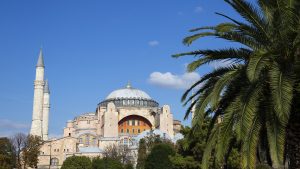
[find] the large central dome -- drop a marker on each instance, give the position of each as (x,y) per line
(129,97)
(128,92)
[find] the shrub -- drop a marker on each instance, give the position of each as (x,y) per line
(77,162)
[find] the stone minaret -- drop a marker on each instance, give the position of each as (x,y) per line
(38,98)
(46,109)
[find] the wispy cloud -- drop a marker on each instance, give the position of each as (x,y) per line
(8,127)
(153,43)
(174,81)
(198,9)
(53,136)
(218,64)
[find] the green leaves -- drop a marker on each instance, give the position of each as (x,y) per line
(256,64)
(254,94)
(282,93)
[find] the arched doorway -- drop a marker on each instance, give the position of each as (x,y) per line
(133,125)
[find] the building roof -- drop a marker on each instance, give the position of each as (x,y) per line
(128,92)
(89,150)
(40,62)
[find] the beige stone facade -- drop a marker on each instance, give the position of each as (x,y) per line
(126,115)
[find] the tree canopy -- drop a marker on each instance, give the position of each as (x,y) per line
(256,95)
(159,157)
(77,162)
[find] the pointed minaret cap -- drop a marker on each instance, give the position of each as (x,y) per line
(40,62)
(46,87)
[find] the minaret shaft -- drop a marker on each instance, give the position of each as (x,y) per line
(38,98)
(46,109)
(36,125)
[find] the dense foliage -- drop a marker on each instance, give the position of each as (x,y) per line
(107,163)
(7,154)
(142,154)
(77,162)
(159,157)
(256,96)
(31,151)
(190,150)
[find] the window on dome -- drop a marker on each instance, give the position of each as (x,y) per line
(133,122)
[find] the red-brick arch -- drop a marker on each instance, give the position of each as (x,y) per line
(133,125)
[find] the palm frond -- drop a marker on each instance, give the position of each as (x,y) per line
(281,92)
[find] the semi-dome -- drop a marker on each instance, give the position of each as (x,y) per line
(128,92)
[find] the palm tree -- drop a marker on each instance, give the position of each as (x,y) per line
(257,96)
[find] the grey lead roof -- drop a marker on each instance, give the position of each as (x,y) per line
(46,87)
(40,62)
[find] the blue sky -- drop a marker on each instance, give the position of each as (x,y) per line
(94,47)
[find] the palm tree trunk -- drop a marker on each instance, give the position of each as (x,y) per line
(293,141)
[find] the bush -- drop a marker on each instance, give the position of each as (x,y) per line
(77,162)
(159,157)
(106,163)
(128,166)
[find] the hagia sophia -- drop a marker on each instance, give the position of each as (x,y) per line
(124,117)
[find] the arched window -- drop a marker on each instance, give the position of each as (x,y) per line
(54,161)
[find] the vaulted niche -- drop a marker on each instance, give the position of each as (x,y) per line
(133,125)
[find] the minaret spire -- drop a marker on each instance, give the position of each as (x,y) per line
(40,62)
(38,98)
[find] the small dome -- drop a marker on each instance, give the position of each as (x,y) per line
(128,92)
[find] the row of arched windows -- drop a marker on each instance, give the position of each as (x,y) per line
(132,102)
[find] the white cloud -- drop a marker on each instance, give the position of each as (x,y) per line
(218,64)
(53,136)
(170,80)
(4,123)
(153,43)
(8,127)
(198,9)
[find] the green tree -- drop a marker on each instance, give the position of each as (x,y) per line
(31,151)
(180,162)
(159,157)
(128,166)
(257,94)
(77,162)
(142,154)
(106,163)
(7,154)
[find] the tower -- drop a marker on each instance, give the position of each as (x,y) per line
(38,98)
(46,109)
